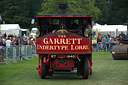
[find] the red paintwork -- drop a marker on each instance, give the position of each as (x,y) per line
(50,15)
(61,56)
(69,62)
(90,60)
(45,60)
(83,47)
(65,47)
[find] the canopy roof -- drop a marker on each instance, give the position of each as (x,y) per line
(110,27)
(66,15)
(9,27)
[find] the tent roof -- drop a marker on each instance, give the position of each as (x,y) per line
(24,29)
(110,27)
(9,27)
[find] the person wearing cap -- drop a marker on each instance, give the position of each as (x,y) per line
(122,35)
(86,26)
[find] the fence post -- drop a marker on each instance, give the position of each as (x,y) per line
(34,50)
(14,54)
(7,62)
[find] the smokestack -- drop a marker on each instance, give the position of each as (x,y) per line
(127,24)
(62,8)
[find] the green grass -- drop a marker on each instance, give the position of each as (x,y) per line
(106,71)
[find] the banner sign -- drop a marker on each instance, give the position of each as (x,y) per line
(63,44)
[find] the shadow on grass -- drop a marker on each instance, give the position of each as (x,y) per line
(66,76)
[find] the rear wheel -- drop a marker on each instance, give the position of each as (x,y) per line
(85,68)
(43,70)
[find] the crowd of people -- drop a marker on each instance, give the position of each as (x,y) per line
(106,42)
(13,40)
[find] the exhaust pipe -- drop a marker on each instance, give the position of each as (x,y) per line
(62,8)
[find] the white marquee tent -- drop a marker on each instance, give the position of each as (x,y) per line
(10,29)
(113,30)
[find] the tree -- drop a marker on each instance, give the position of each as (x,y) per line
(19,11)
(74,7)
(119,11)
(104,6)
(112,11)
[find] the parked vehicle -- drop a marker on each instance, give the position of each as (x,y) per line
(64,48)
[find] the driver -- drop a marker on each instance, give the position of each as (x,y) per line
(48,27)
(72,25)
(86,26)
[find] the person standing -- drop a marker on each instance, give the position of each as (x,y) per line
(111,43)
(107,42)
(99,43)
(13,43)
(104,43)
(8,42)
(122,35)
(21,40)
(25,41)
(5,35)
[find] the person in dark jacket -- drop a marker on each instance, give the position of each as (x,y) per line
(86,27)
(72,25)
(48,27)
(99,43)
(25,41)
(122,35)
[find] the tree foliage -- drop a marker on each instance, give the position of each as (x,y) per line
(119,11)
(102,11)
(74,7)
(19,11)
(104,6)
(112,11)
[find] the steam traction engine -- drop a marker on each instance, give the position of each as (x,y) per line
(64,49)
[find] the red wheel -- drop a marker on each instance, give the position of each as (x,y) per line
(85,68)
(90,69)
(42,69)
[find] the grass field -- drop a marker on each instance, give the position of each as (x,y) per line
(106,71)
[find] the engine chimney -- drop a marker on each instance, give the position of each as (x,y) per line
(62,8)
(127,24)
